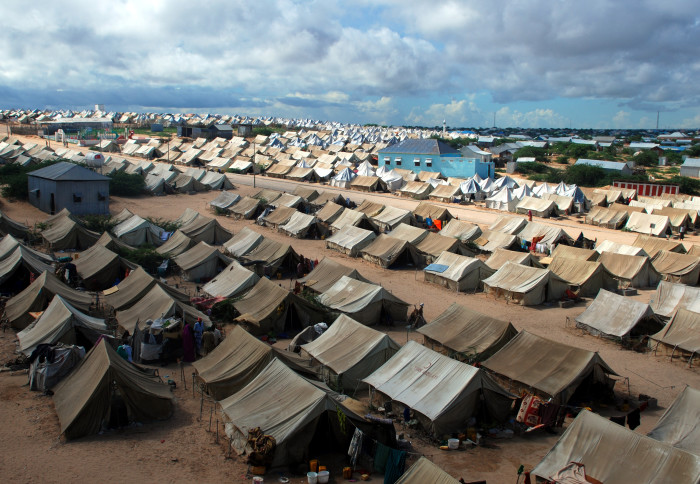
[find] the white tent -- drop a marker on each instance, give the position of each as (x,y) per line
(679,426)
(670,297)
(502,200)
(525,285)
(457,272)
(615,316)
(363,301)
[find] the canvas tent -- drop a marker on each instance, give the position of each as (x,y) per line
(64,233)
(461,230)
(238,359)
(433,245)
(502,200)
(670,297)
(84,399)
(416,189)
(130,290)
(225,201)
(546,234)
(386,251)
(652,245)
(327,273)
(307,409)
(350,351)
(231,282)
(300,225)
(607,217)
(268,307)
(457,272)
(11,227)
(246,208)
(547,368)
(270,257)
(466,335)
(61,323)
(585,278)
(201,262)
(177,244)
(409,233)
(137,231)
(616,248)
(371,209)
(350,218)
(680,337)
(508,224)
(578,253)
(613,454)
(679,426)
(630,270)
(157,303)
(350,240)
(278,216)
(491,240)
(525,285)
(645,223)
(363,301)
(445,193)
(19,265)
(390,218)
(243,242)
(330,212)
(614,316)
(205,229)
(443,398)
(674,267)
(100,268)
(501,256)
(112,243)
(538,206)
(425,471)
(37,296)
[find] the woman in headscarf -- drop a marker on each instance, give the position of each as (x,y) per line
(188,344)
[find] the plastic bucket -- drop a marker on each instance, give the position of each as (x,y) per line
(312,477)
(323,477)
(453,444)
(258,480)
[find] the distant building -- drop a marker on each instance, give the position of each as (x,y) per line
(612,166)
(245,129)
(220,131)
(638,146)
(74,125)
(433,155)
(66,185)
(691,167)
(473,151)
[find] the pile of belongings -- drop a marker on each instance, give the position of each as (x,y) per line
(263,447)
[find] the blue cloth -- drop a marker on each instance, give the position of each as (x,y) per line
(395,465)
(198,332)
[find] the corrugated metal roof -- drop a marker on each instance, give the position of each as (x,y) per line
(420,147)
(694,162)
(65,171)
(605,165)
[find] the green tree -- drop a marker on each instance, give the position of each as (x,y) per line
(125,184)
(530,151)
(13,178)
(647,158)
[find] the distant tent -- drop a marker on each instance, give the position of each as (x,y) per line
(547,368)
(246,208)
(546,234)
(409,233)
(201,262)
(330,212)
(416,189)
(501,256)
(327,273)
(177,244)
(268,307)
(231,282)
(233,364)
(350,240)
(137,231)
(20,265)
(243,242)
(371,209)
(525,285)
(630,270)
(466,335)
(670,297)
(363,301)
(301,225)
(11,227)
(461,230)
(615,316)
(679,426)
(675,267)
(652,245)
(612,454)
(645,223)
(607,217)
(112,243)
(386,251)
(225,201)
(84,399)
(205,229)
(569,252)
(491,240)
(390,218)
(680,337)
(508,224)
(61,323)
(457,272)
(502,200)
(433,245)
(351,218)
(616,248)
(350,351)
(37,296)
(270,257)
(425,471)
(216,181)
(444,397)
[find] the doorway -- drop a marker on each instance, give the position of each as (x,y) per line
(52,205)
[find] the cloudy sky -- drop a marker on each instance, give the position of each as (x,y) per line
(531,63)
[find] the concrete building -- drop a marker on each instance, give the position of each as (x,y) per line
(66,185)
(433,155)
(691,167)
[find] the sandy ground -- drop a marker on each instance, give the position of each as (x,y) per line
(30,448)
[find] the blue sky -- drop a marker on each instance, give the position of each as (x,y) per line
(534,63)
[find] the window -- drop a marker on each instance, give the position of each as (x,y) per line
(416,161)
(428,162)
(398,161)
(36,192)
(101,196)
(77,197)
(387,160)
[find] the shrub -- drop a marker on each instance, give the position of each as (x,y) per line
(689,186)
(124,184)
(563,160)
(530,151)
(98,223)
(165,224)
(146,257)
(13,177)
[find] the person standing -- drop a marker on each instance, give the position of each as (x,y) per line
(681,232)
(188,345)
(198,332)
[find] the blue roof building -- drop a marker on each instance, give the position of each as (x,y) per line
(433,155)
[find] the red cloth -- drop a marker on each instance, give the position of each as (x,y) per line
(438,224)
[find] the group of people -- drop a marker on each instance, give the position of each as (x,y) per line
(305,266)
(199,341)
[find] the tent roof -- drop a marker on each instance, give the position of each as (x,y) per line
(435,244)
(246,206)
(670,297)
(263,298)
(575,271)
(198,255)
(348,218)
(615,248)
(370,208)
(508,225)
(58,319)
(154,304)
(464,330)
(82,398)
(234,363)
(350,295)
(205,229)
(9,226)
(385,248)
(350,236)
(269,252)
(491,240)
(624,266)
(459,266)
(461,230)
(177,244)
(22,257)
(232,281)
(549,234)
(519,278)
(425,471)
(647,224)
(280,215)
(225,200)
(675,264)
(330,212)
(243,242)
(112,243)
(392,216)
(614,315)
(615,455)
(679,426)
(683,331)
(347,343)
(298,223)
(409,233)
(570,252)
(548,366)
(327,273)
(501,256)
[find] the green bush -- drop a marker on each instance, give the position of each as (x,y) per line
(13,178)
(146,257)
(124,184)
(530,151)
(98,223)
(689,186)
(165,224)
(563,160)
(647,158)
(531,168)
